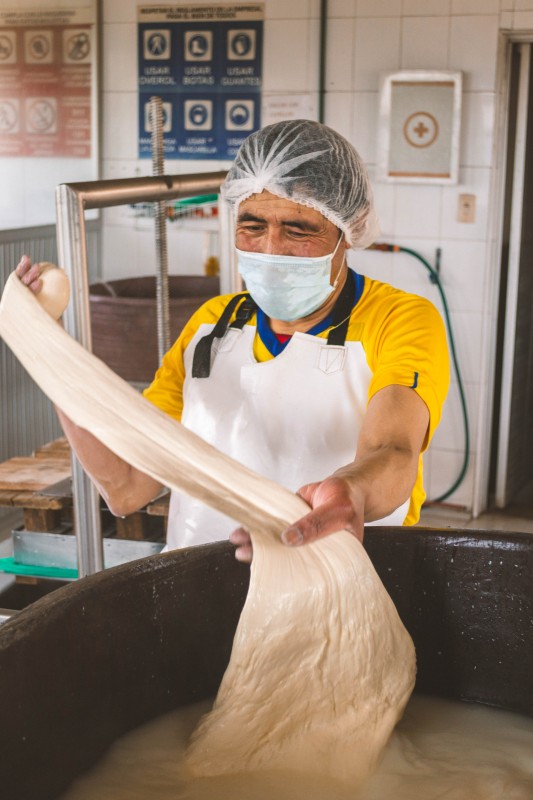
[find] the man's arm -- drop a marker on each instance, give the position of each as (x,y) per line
(377,482)
(124,488)
(380,478)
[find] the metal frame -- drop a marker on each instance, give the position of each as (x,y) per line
(72,200)
(513,275)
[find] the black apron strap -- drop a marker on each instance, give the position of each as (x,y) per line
(201,363)
(342,311)
(244,312)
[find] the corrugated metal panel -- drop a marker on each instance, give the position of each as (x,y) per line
(27,418)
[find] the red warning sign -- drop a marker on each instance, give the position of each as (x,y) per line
(45,87)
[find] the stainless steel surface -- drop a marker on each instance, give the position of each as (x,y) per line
(72,257)
(87,521)
(230,280)
(60,550)
(121,191)
(161,270)
(72,200)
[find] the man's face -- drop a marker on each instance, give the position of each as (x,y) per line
(270,224)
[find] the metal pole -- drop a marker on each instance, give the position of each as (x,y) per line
(230,280)
(121,191)
(322,61)
(513,274)
(72,257)
(163,317)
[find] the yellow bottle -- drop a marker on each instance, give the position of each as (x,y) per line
(212,266)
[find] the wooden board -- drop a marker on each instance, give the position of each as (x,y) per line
(9,497)
(32,474)
(159,506)
(59,449)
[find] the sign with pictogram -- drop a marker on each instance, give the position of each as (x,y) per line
(41,114)
(38,47)
(198,45)
(8,47)
(76,47)
(166,113)
(45,82)
(205,62)
(241,45)
(157,45)
(9,115)
(419,127)
(198,115)
(240,115)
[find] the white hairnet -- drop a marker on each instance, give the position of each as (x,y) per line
(311,164)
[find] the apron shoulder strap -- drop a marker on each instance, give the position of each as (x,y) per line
(342,311)
(201,363)
(244,312)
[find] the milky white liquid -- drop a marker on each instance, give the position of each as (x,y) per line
(439,751)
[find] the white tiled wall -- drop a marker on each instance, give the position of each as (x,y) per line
(377,50)
(425,42)
(366,38)
(419,8)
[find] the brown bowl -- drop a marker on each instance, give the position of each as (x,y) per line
(102,655)
(124,320)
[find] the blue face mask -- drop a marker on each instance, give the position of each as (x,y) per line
(287,287)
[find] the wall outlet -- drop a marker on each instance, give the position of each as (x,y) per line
(466,210)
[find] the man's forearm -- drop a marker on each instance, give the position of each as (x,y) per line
(384,479)
(380,478)
(124,488)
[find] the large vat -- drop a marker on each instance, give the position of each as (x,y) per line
(100,656)
(124,319)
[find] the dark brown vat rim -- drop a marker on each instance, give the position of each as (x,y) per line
(94,659)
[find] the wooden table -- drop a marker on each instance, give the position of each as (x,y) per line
(41,486)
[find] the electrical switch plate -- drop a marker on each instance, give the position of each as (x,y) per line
(466,210)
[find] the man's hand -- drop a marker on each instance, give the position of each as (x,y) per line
(30,274)
(335,506)
(50,285)
(377,482)
(241,539)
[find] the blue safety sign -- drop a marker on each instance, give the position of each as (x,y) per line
(198,115)
(166,112)
(241,45)
(205,62)
(198,46)
(239,115)
(156,45)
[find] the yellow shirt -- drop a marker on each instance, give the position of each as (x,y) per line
(403,337)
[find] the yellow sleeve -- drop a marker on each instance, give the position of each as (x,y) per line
(406,345)
(166,390)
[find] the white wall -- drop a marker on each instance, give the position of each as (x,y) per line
(365,39)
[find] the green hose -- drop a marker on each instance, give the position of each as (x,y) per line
(434,277)
(196,200)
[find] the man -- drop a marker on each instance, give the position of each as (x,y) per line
(328,382)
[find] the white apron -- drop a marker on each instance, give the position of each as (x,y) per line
(294,419)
